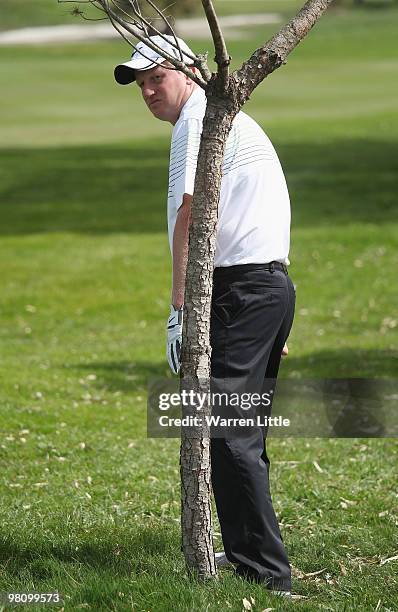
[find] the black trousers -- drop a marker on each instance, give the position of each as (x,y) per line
(252,314)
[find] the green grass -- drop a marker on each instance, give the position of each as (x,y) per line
(31,13)
(28,13)
(90,506)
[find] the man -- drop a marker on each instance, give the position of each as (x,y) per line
(253,296)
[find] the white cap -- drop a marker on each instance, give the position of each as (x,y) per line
(145,58)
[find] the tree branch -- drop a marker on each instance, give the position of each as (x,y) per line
(200,61)
(129,18)
(120,31)
(168,24)
(134,29)
(203,68)
(222,57)
(145,24)
(142,19)
(273,54)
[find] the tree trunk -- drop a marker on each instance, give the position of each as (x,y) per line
(195,444)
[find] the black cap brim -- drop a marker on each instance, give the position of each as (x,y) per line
(124,75)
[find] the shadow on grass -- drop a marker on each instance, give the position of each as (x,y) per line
(343,363)
(99,189)
(138,553)
(339,363)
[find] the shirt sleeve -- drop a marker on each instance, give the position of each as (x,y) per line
(183,159)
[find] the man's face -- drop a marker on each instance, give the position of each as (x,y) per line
(164,91)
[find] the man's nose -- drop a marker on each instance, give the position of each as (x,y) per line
(147,91)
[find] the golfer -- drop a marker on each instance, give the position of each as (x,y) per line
(253,296)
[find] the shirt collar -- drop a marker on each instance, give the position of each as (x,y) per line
(197,98)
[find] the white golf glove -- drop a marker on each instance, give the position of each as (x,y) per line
(174,338)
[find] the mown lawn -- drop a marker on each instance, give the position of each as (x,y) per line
(28,13)
(89,505)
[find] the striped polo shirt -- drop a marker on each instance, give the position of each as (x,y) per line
(254,208)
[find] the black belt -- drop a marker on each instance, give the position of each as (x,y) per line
(269,267)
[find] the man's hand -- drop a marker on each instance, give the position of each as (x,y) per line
(285,350)
(174,338)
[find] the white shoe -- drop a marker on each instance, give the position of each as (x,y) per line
(281,593)
(221,559)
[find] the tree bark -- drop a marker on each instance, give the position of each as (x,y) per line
(195,374)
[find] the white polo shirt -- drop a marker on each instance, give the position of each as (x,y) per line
(254,208)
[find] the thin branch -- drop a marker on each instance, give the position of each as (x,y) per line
(94,4)
(175,44)
(77,11)
(181,66)
(273,54)
(122,34)
(134,29)
(137,11)
(201,65)
(129,18)
(199,61)
(168,24)
(150,25)
(141,24)
(222,57)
